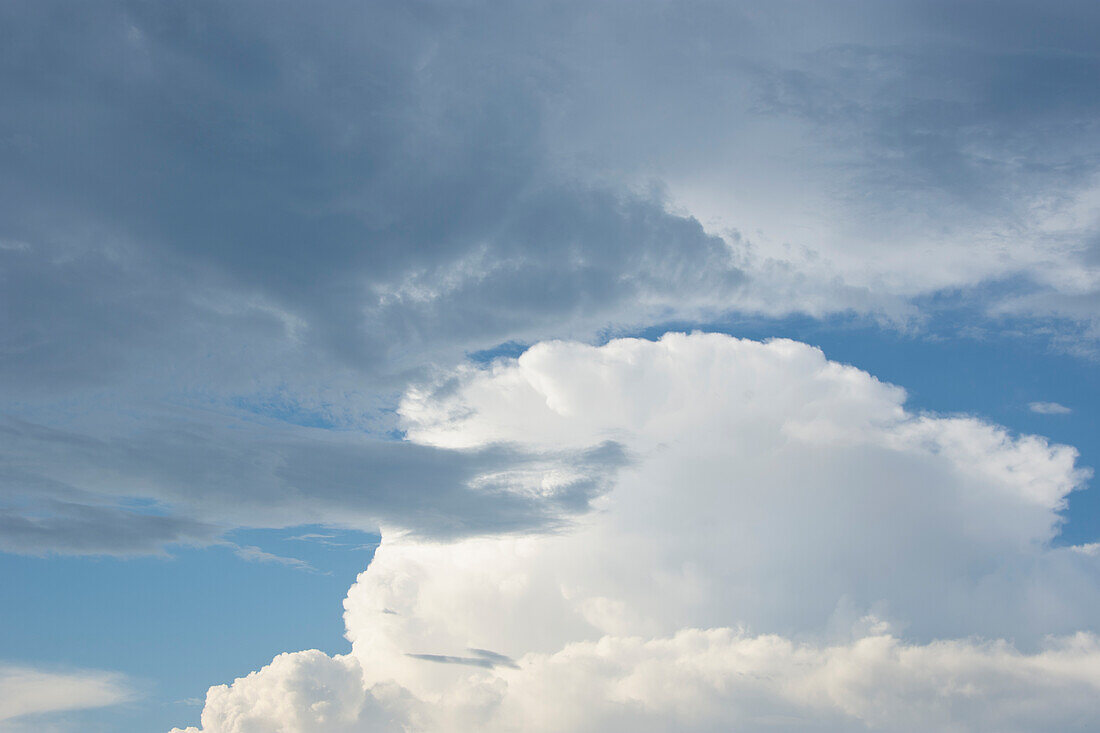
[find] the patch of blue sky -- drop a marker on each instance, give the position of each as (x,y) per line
(144,505)
(175,625)
(283,409)
(506,350)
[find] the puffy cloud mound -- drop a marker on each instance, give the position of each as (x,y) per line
(788,547)
(696,680)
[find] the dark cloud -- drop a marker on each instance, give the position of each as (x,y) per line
(482,658)
(212,210)
(78,529)
(370,172)
(190,483)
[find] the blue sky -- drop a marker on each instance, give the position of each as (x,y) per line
(138,612)
(282,284)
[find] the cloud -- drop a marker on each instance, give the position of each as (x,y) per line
(1091,548)
(232,234)
(305,691)
(696,680)
(481,658)
(1049,408)
(57,527)
(28,692)
(251,553)
(293,227)
(790,546)
(875,154)
(407,185)
(379,204)
(189,482)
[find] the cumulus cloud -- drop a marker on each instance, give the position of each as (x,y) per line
(698,680)
(790,546)
(29,692)
(1090,548)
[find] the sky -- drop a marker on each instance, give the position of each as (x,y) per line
(431,367)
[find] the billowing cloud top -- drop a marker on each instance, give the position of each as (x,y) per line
(788,546)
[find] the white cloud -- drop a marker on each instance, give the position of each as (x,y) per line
(789,547)
(29,691)
(1089,548)
(815,147)
(305,691)
(1049,408)
(696,680)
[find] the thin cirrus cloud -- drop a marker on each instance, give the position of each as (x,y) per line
(769,556)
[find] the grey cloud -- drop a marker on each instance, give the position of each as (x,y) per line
(212,207)
(865,129)
(444,659)
(482,658)
(315,160)
(79,529)
(404,181)
(967,122)
(411,180)
(204,479)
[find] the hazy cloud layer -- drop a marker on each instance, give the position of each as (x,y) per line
(791,547)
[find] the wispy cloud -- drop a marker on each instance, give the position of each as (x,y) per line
(1049,408)
(28,691)
(251,553)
